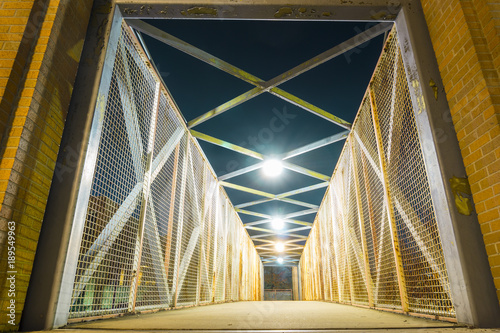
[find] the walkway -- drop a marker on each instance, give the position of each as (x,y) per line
(279,315)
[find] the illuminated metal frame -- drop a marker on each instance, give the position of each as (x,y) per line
(270,86)
(468,270)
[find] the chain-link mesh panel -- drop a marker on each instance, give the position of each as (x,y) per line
(353,238)
(159,232)
(385,280)
(379,201)
(425,272)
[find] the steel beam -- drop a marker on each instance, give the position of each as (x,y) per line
(292,99)
(251,153)
(242,171)
(303,190)
(298,203)
(247,189)
(247,212)
(302,212)
(253,203)
(305,171)
(175,42)
(226,145)
(315,145)
(261,85)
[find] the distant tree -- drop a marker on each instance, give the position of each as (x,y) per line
(276,277)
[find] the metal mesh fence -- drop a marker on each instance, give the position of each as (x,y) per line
(377,221)
(159,232)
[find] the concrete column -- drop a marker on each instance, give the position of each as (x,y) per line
(471,282)
(57,232)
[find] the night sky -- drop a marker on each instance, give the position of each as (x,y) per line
(267,124)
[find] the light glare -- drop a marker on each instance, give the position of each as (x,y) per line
(280,247)
(280,260)
(272,168)
(277,223)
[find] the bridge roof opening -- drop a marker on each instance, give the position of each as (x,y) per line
(254,91)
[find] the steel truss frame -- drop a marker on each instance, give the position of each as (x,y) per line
(270,86)
(471,285)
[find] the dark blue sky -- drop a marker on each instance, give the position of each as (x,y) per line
(267,49)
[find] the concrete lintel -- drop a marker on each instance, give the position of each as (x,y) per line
(323,10)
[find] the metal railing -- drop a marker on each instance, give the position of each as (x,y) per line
(159,230)
(278,295)
(375,240)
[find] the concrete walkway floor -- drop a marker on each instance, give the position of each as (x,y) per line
(279,316)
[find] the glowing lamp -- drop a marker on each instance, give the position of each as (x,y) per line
(280,247)
(277,223)
(272,168)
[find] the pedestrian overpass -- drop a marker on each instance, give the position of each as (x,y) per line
(154,228)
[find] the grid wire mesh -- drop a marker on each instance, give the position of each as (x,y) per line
(424,272)
(150,175)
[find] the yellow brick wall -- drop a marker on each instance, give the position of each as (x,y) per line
(466,39)
(40,45)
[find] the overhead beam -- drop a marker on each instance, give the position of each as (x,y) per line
(298,203)
(276,232)
(284,220)
(302,237)
(256,155)
(241,171)
(253,203)
(281,196)
(302,212)
(261,85)
(303,190)
(315,145)
(180,45)
(247,189)
(226,145)
(247,212)
(305,171)
(310,107)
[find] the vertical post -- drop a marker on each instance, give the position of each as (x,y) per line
(226,215)
(78,191)
(299,282)
(337,269)
(198,280)
(344,224)
(216,234)
(180,223)
(389,206)
(261,281)
(471,284)
(145,197)
(370,212)
(368,277)
(168,243)
(295,283)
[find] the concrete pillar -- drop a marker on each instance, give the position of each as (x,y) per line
(471,283)
(41,44)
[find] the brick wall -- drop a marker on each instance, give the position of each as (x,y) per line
(41,43)
(466,39)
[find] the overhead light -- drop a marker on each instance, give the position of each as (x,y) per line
(277,223)
(272,167)
(280,260)
(280,247)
